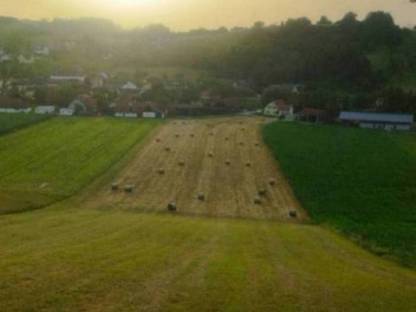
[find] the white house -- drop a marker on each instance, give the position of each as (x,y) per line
(45,109)
(126,115)
(149,115)
(66,112)
(41,50)
(129,86)
(25,60)
(279,109)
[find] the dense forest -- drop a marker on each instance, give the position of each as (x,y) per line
(345,64)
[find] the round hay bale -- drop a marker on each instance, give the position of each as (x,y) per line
(129,188)
(242,143)
(226,138)
(257,144)
(228,162)
(210,154)
(167,149)
(248,164)
(243,129)
(272,182)
(262,192)
(181,163)
(161,171)
(158,140)
(114,186)
(172,206)
(201,196)
(211,134)
(293,214)
(192,135)
(177,135)
(257,200)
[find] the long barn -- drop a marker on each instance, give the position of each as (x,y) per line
(384,121)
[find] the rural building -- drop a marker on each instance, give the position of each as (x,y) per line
(25,60)
(279,109)
(84,105)
(66,112)
(67,78)
(129,87)
(378,120)
(316,115)
(45,109)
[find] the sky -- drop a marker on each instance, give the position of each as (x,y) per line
(191,14)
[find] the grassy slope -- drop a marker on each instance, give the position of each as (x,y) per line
(55,159)
(64,259)
(362,182)
(10,122)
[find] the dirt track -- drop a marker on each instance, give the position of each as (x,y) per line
(229,190)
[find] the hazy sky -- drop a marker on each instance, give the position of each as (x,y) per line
(186,14)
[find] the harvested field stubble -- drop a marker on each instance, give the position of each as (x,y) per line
(224,184)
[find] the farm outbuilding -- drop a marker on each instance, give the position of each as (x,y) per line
(45,109)
(384,121)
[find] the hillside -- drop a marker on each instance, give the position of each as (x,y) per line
(361,182)
(54,159)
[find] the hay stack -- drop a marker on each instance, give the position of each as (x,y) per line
(242,143)
(201,196)
(172,206)
(177,135)
(257,200)
(210,154)
(293,214)
(228,162)
(226,139)
(161,171)
(192,135)
(158,140)
(248,164)
(272,182)
(114,186)
(262,192)
(181,163)
(167,149)
(129,188)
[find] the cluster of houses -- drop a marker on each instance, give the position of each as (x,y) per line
(370,120)
(38,51)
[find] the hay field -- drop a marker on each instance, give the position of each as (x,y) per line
(188,159)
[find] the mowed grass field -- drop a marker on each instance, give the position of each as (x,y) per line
(10,122)
(74,259)
(56,158)
(362,182)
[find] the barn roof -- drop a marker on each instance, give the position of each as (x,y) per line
(376,117)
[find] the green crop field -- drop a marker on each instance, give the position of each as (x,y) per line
(10,122)
(54,159)
(362,182)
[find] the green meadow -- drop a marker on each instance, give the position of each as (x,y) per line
(56,158)
(360,182)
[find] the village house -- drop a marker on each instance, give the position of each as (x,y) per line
(41,50)
(56,79)
(25,60)
(66,111)
(279,109)
(45,109)
(83,105)
(386,121)
(129,87)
